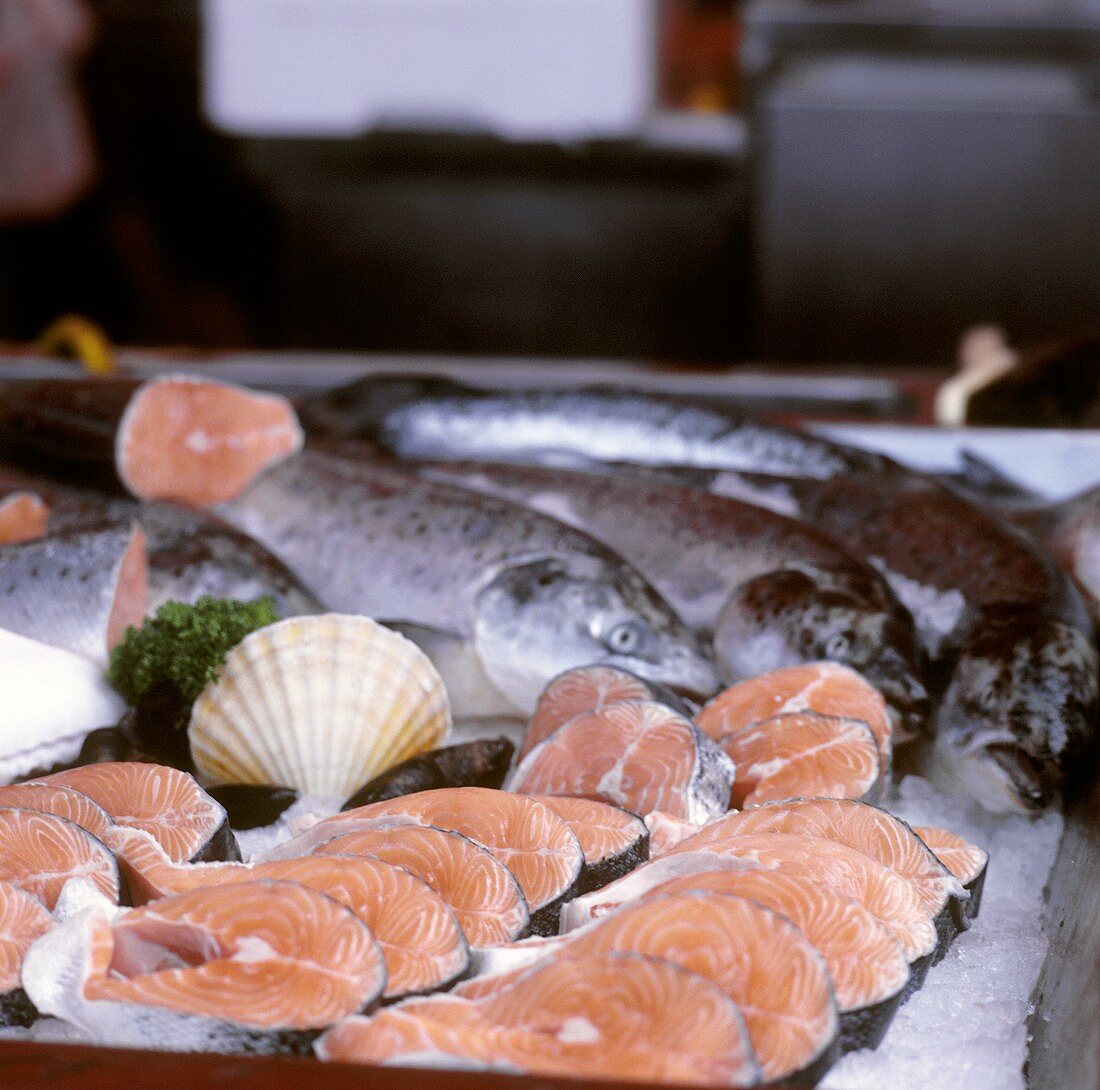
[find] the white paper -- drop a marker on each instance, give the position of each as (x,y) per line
(532,69)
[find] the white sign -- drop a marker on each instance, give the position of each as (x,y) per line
(527,69)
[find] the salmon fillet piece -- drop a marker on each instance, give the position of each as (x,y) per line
(162,801)
(43,851)
(613,1016)
(824,687)
(637,754)
(422,944)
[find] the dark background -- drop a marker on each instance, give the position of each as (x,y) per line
(903,176)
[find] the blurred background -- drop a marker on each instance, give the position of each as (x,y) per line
(806,181)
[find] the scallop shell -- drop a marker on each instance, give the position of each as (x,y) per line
(321,704)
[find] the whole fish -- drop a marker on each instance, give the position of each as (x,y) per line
(77,590)
(527,596)
(434,418)
(769,589)
(1011,633)
(1068,528)
(189,553)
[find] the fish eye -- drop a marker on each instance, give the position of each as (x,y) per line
(626,638)
(838,645)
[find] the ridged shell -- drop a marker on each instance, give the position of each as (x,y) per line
(321,704)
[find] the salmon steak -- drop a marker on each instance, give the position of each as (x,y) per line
(43,851)
(422,944)
(535,844)
(23,919)
(257,966)
(866,829)
(199,442)
(966,861)
(78,590)
(61,801)
(583,689)
(614,841)
(618,1016)
(803,754)
(479,889)
(666,831)
(23,517)
(883,892)
(164,802)
(639,755)
(824,687)
(866,963)
(761,961)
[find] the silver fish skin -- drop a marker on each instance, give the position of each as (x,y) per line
(438,419)
(529,595)
(63,590)
(769,590)
(190,553)
(1012,634)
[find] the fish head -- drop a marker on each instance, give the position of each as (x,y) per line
(1018,711)
(538,617)
(789,617)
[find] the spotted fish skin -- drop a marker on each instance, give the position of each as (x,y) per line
(772,590)
(529,595)
(1010,633)
(439,419)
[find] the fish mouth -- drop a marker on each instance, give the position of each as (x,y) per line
(1001,776)
(906,697)
(1031,784)
(694,679)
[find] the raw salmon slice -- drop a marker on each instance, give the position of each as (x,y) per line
(759,959)
(23,919)
(865,828)
(866,963)
(41,852)
(489,962)
(803,754)
(966,861)
(258,965)
(23,517)
(583,689)
(884,893)
(527,837)
(614,841)
(422,944)
(612,1016)
(164,802)
(666,831)
(824,687)
(480,890)
(62,801)
(200,442)
(636,754)
(78,590)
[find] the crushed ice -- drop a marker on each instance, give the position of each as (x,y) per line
(967,1023)
(968,1020)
